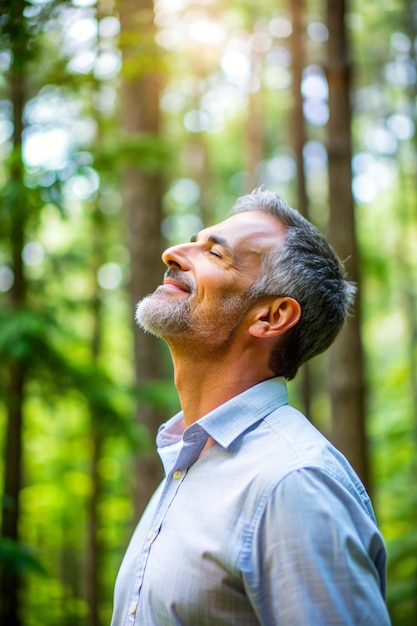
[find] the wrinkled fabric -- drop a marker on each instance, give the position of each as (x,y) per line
(268,526)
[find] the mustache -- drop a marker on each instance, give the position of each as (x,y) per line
(180,277)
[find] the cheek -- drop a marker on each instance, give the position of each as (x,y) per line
(217,284)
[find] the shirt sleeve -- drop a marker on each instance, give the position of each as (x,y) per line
(316,557)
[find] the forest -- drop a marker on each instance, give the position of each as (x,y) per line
(125,126)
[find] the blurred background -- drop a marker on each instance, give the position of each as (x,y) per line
(125,125)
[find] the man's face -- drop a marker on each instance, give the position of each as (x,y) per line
(203,294)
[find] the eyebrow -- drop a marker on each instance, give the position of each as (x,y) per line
(221,241)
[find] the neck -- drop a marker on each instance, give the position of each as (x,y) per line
(206,382)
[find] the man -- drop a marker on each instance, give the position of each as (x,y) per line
(259,519)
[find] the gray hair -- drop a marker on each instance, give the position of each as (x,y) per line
(305,267)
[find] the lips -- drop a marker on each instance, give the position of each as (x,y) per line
(169,282)
(175,283)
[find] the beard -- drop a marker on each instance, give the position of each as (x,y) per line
(178,321)
(162,318)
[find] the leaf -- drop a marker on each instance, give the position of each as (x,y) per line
(17,558)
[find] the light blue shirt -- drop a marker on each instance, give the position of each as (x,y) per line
(269,526)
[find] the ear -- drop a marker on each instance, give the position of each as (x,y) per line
(275,317)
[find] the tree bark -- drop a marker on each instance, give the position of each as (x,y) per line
(143,198)
(94,547)
(347,385)
(254,136)
(299,137)
(297,44)
(10,580)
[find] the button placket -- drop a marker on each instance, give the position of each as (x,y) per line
(187,456)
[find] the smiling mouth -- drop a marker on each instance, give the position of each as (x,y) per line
(176,285)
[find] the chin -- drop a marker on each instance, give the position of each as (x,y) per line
(161,316)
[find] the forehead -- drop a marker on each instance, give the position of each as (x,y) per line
(249,232)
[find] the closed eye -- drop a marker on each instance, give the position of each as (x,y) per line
(216,254)
(214,240)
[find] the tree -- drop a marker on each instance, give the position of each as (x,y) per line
(299,140)
(142,191)
(346,372)
(15,205)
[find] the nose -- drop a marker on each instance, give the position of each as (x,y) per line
(176,256)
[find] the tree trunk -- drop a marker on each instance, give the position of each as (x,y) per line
(406,211)
(10,580)
(255,145)
(94,545)
(347,386)
(142,197)
(297,43)
(299,137)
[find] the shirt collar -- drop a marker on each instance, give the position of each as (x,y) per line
(231,419)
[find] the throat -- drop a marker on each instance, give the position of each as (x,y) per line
(204,386)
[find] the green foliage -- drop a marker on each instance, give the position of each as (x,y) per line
(147,151)
(19,558)
(161,394)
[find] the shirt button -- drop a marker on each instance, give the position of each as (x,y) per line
(132,608)
(177,475)
(151,535)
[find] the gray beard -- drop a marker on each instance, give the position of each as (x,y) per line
(161,318)
(175,322)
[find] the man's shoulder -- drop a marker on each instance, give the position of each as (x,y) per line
(285,441)
(285,436)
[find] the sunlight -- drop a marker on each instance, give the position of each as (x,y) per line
(316,112)
(401,125)
(79,32)
(280,169)
(196,121)
(179,228)
(383,171)
(314,84)
(109,276)
(236,65)
(224,100)
(49,148)
(401,73)
(380,140)
(82,187)
(261,42)
(170,6)
(315,92)
(280,27)
(172,101)
(105,99)
(184,191)
(364,189)
(107,65)
(83,3)
(400,42)
(170,38)
(5,59)
(33,253)
(207,32)
(317,31)
(6,130)
(315,158)
(83,62)
(109,26)
(277,77)
(6,278)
